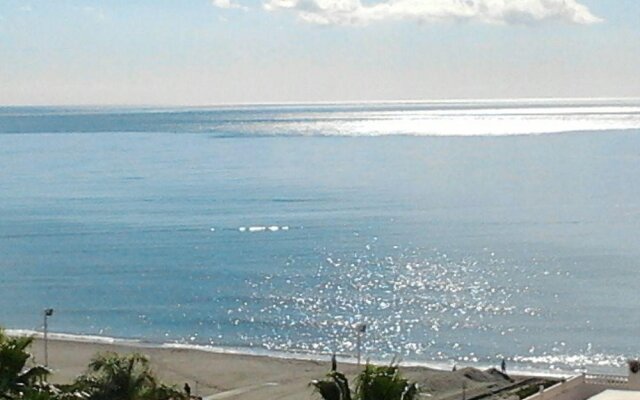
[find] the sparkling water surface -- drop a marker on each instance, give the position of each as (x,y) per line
(275,229)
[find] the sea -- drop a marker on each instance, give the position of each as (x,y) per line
(455,232)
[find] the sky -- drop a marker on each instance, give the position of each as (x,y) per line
(204,52)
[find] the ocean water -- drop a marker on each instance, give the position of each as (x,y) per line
(458,231)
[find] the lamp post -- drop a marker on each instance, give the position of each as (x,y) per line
(47,313)
(360,329)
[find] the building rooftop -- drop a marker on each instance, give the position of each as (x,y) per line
(611,394)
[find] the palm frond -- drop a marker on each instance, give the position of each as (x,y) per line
(334,387)
(384,383)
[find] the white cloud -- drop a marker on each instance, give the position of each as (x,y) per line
(354,12)
(227,4)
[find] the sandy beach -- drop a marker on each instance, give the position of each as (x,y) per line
(228,376)
(253,377)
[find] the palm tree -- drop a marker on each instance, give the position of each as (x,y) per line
(384,383)
(373,383)
(128,377)
(335,387)
(16,378)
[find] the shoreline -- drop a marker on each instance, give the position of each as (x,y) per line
(215,375)
(141,345)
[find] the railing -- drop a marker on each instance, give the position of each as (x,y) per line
(606,380)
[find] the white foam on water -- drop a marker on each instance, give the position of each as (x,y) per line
(262,228)
(74,337)
(585,361)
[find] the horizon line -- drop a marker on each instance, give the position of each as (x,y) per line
(324,102)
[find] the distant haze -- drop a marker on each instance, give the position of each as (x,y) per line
(256,51)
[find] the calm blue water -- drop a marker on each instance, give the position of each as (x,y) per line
(452,229)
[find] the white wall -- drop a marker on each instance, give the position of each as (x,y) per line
(575,388)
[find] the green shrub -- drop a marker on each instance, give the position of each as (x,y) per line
(373,383)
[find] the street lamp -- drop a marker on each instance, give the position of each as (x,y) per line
(47,313)
(360,329)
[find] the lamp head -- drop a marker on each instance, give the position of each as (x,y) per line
(48,312)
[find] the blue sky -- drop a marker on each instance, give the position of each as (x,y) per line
(253,51)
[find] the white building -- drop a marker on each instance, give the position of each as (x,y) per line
(594,387)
